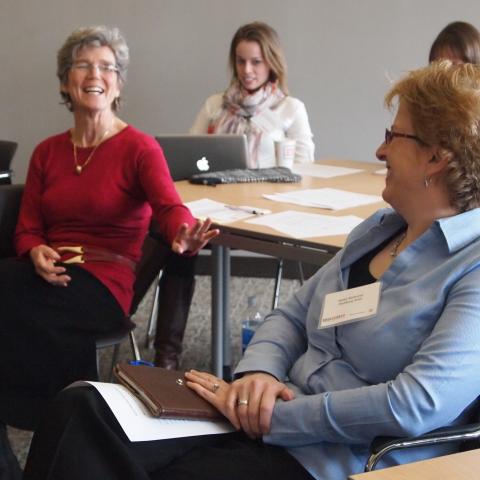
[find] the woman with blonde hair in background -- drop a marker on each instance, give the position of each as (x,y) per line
(257,104)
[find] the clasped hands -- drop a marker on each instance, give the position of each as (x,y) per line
(247,402)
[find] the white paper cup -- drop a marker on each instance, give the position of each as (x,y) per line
(285,152)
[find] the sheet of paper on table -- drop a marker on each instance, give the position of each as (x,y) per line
(139,425)
(217,211)
(328,198)
(306,225)
(322,171)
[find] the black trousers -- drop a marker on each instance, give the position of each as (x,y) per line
(47,336)
(80,438)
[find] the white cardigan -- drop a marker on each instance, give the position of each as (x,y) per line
(288,120)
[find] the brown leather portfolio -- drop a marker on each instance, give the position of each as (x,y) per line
(164,392)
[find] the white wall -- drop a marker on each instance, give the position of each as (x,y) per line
(339,54)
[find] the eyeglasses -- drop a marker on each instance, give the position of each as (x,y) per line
(103,68)
(389,136)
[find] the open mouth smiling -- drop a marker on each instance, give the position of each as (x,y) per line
(95,90)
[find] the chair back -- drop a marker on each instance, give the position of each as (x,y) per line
(10,199)
(152,261)
(154,255)
(7,151)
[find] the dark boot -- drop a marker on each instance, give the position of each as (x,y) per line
(175,296)
(9,467)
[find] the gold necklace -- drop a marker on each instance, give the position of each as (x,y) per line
(396,245)
(79,168)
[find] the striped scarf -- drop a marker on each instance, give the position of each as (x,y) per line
(239,107)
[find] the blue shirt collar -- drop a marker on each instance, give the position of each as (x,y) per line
(460,230)
(457,231)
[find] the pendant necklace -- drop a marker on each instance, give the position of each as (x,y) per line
(396,245)
(79,168)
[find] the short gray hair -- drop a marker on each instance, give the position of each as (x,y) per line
(96,36)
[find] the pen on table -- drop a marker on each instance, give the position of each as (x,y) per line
(252,210)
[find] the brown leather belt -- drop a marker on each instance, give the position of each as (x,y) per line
(82,254)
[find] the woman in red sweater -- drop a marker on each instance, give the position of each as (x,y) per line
(95,186)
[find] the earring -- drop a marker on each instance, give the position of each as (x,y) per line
(427,181)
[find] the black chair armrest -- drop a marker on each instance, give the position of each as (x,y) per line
(10,198)
(458,433)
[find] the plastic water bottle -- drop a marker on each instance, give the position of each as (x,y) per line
(250,321)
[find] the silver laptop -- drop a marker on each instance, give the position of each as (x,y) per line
(190,154)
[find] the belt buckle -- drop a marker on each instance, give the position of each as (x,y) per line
(76,259)
(72,249)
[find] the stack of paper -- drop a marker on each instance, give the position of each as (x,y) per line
(219,212)
(138,423)
(322,171)
(328,198)
(306,225)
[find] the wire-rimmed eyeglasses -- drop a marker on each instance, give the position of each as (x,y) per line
(103,68)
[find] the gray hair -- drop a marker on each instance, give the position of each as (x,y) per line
(96,36)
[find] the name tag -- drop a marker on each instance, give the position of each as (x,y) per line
(350,305)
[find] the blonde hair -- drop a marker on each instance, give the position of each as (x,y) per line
(443,101)
(267,39)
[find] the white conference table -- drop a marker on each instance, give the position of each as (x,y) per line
(265,240)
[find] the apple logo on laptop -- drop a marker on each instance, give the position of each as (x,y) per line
(203,165)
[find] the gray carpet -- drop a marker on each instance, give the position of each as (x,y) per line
(196,351)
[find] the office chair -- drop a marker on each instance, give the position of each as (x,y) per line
(10,198)
(152,261)
(278,280)
(148,269)
(468,436)
(7,151)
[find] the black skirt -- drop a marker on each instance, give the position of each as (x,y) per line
(47,336)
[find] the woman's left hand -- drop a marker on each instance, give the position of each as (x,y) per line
(214,390)
(194,238)
(247,402)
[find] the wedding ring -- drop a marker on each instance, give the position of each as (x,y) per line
(215,387)
(242,401)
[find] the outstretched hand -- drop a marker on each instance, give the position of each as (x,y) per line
(192,239)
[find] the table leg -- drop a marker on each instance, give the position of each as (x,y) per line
(227,356)
(217,310)
(221,354)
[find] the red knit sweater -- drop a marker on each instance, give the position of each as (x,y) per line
(108,206)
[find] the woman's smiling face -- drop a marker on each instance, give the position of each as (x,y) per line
(93,82)
(250,66)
